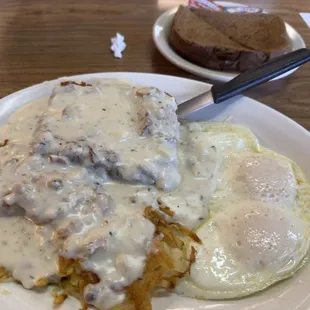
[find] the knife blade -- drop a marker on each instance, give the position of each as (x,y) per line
(244,81)
(195,104)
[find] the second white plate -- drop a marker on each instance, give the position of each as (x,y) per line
(161,31)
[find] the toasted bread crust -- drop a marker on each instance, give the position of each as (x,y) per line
(258,32)
(216,58)
(209,47)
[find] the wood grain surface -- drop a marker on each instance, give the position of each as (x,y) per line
(44,39)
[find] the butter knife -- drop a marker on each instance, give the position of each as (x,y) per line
(244,81)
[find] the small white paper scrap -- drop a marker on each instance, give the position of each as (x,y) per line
(118,45)
(306,18)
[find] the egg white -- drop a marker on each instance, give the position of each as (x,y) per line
(245,249)
(257,232)
(210,144)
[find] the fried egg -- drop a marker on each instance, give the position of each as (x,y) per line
(246,248)
(264,177)
(210,143)
(257,232)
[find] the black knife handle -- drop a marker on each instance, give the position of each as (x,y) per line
(257,76)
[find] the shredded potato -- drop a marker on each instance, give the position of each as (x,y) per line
(5,276)
(74,280)
(4,143)
(59,298)
(164,208)
(166,263)
(41,282)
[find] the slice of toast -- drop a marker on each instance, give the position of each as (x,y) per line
(210,45)
(259,32)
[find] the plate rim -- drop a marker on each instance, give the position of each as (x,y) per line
(195,69)
(28,296)
(97,75)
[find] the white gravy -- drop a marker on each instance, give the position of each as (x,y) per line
(54,206)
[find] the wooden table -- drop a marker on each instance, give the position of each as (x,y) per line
(44,39)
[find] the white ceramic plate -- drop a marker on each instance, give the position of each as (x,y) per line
(161,30)
(275,131)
